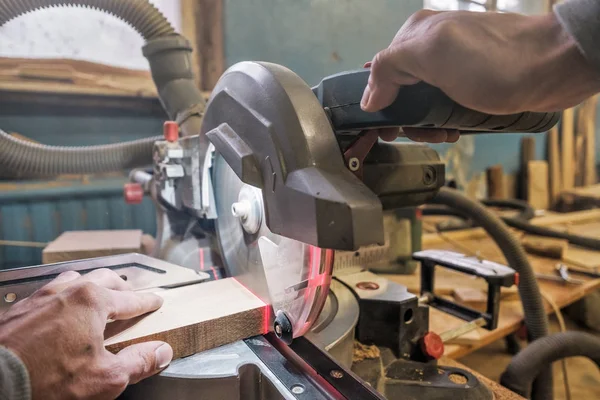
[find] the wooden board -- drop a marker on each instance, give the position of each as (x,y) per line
(590,177)
(554,173)
(209,39)
(79,245)
(567,148)
(495,182)
(527,155)
(73,77)
(196,318)
(537,184)
(586,197)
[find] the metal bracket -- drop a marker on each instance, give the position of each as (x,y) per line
(496,275)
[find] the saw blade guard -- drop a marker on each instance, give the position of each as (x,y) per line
(298,276)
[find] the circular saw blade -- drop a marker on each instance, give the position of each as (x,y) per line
(291,276)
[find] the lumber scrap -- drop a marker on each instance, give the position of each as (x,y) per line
(590,177)
(567,147)
(495,182)
(81,245)
(527,154)
(537,184)
(554,173)
(196,318)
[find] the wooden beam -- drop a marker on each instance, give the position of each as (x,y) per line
(527,154)
(567,148)
(495,182)
(554,174)
(189,30)
(590,177)
(537,188)
(196,318)
(209,37)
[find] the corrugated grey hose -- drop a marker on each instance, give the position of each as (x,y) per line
(26,160)
(536,319)
(526,365)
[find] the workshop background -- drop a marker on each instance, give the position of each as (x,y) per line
(312,37)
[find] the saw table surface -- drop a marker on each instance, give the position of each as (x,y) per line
(511,312)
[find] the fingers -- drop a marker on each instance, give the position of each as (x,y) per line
(106,278)
(432,135)
(103,277)
(141,361)
(64,278)
(126,305)
(387,76)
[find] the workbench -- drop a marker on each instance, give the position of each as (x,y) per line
(511,312)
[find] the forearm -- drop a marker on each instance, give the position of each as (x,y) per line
(581,19)
(14,378)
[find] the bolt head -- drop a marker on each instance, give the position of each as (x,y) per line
(354,164)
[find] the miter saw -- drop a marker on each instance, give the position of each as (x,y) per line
(282,180)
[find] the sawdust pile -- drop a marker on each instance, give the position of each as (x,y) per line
(364,352)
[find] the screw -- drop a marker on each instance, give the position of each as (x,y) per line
(429,175)
(10,297)
(354,164)
(283,327)
(297,389)
(336,374)
(367,285)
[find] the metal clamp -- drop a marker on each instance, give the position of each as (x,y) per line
(496,275)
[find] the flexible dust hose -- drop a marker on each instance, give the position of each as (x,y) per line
(577,240)
(526,365)
(169,56)
(536,319)
(140,14)
(28,160)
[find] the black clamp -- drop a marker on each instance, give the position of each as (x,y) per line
(496,275)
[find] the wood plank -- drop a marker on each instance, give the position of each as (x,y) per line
(554,173)
(80,245)
(73,77)
(189,29)
(209,32)
(510,186)
(527,154)
(590,177)
(580,160)
(196,318)
(567,148)
(546,247)
(572,218)
(537,184)
(495,182)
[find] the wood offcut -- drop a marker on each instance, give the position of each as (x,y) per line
(196,318)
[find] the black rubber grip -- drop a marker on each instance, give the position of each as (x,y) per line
(420,105)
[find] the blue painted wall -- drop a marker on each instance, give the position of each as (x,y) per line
(314,38)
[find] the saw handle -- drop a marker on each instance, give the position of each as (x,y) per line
(420,105)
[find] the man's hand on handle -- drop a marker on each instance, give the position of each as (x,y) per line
(496,63)
(58,333)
